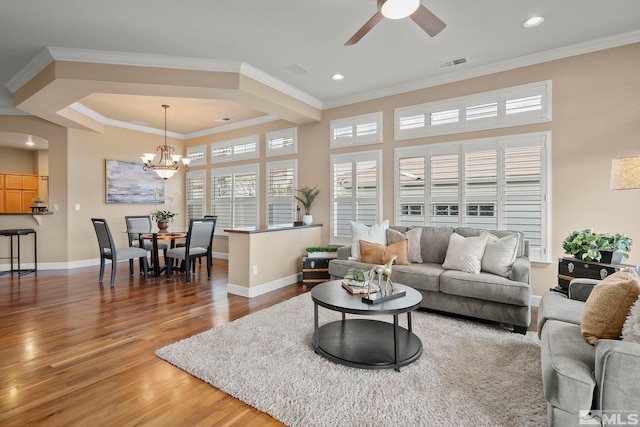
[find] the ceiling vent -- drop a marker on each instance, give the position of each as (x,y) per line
(298,69)
(453,62)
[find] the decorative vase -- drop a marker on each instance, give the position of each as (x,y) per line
(307,219)
(163,225)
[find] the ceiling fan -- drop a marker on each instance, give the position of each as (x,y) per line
(398,9)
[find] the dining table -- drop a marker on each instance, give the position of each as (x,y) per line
(155,236)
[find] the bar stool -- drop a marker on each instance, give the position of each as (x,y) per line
(21,232)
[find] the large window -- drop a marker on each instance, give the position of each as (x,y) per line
(234,197)
(356,192)
(512,106)
(281,184)
(196,190)
(493,183)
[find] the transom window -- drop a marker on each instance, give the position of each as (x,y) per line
(235,149)
(358,130)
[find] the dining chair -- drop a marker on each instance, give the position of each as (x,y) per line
(137,225)
(109,251)
(198,245)
(215,217)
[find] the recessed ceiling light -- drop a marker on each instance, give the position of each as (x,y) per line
(534,21)
(337,76)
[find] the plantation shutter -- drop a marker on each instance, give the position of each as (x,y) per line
(221,200)
(281,182)
(481,186)
(195,194)
(411,194)
(356,192)
(444,184)
(245,200)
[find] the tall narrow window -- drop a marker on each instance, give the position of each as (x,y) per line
(356,192)
(234,197)
(196,190)
(281,184)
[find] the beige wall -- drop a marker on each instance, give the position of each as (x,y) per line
(596,117)
(18,161)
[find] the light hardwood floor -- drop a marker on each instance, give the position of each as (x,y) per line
(74,353)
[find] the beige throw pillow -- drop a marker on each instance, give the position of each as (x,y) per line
(465,254)
(413,242)
(500,254)
(372,253)
(374,234)
(608,305)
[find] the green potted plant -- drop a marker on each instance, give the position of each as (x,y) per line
(307,197)
(591,246)
(38,201)
(323,252)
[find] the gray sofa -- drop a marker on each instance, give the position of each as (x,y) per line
(578,376)
(483,296)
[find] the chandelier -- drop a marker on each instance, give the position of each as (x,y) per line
(168,163)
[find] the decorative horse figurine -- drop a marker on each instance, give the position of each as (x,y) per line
(380,271)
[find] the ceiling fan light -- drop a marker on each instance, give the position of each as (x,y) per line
(397,9)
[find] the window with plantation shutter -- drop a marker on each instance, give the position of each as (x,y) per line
(356,192)
(196,190)
(282,142)
(235,149)
(198,155)
(359,130)
(234,197)
(493,183)
(511,106)
(281,184)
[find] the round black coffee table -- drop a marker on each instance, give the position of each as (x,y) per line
(365,343)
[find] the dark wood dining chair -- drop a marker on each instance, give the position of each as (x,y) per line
(137,225)
(198,245)
(109,251)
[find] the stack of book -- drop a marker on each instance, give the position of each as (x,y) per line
(357,290)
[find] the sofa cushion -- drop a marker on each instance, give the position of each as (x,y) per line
(373,253)
(500,254)
(465,253)
(568,366)
(434,243)
(608,305)
(374,234)
(485,286)
(413,242)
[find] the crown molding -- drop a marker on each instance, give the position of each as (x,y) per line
(522,61)
(37,64)
(139,128)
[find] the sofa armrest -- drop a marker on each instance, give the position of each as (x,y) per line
(521,270)
(580,289)
(618,375)
(344,252)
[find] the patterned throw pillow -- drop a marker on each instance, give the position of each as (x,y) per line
(375,234)
(500,254)
(608,305)
(372,253)
(413,245)
(465,254)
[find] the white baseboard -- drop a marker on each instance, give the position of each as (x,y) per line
(254,291)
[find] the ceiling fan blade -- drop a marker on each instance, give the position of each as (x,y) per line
(365,29)
(429,22)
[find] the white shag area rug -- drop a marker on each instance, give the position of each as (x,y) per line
(469,374)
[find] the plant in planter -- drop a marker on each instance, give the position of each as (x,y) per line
(307,197)
(323,252)
(590,246)
(164,216)
(38,201)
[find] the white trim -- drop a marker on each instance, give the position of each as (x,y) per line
(510,64)
(353,123)
(254,291)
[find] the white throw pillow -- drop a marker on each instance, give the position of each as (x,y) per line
(373,234)
(500,254)
(631,328)
(465,254)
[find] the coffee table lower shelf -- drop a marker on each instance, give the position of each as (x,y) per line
(367,344)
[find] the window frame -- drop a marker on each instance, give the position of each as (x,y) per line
(233,144)
(280,134)
(194,150)
(353,123)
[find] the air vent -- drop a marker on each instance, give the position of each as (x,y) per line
(453,62)
(298,69)
(223,119)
